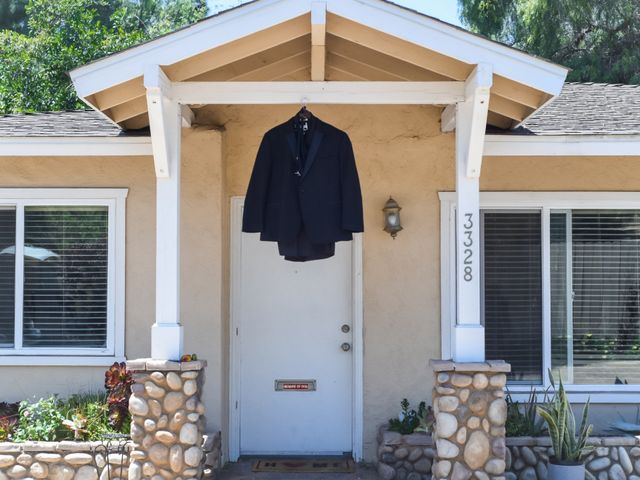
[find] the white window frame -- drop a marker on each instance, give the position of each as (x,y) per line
(545,202)
(115,200)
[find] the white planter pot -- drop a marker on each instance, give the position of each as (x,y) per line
(565,472)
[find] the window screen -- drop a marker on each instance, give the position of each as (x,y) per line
(7,275)
(65,276)
(512,281)
(600,343)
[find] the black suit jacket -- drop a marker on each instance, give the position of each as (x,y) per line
(325,199)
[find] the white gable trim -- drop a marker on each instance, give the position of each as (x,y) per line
(190,41)
(561,145)
(262,14)
(453,42)
(75,146)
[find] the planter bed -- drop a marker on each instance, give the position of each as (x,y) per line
(614,458)
(64,460)
(409,457)
(404,456)
(67,460)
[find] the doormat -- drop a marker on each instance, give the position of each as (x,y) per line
(311,465)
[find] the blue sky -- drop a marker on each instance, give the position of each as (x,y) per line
(446,10)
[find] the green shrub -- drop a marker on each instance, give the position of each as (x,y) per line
(410,421)
(78,417)
(39,421)
(523,420)
(87,416)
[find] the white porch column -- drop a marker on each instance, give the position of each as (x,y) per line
(470,121)
(165,119)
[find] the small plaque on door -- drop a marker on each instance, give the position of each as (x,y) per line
(295,385)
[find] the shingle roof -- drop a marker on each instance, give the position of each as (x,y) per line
(588,109)
(74,123)
(580,109)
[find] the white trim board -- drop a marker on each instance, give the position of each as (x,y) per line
(309,92)
(357,341)
(545,202)
(75,146)
(494,145)
(419,29)
(55,361)
(561,145)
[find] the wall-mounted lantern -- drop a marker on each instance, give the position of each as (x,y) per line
(392,224)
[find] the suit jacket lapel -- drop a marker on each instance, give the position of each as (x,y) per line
(313,149)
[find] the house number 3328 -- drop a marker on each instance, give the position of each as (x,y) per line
(468,244)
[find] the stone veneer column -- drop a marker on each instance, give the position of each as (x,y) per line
(167,420)
(470,411)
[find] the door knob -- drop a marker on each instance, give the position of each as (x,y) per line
(346,346)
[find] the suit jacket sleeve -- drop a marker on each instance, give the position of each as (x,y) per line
(350,184)
(256,199)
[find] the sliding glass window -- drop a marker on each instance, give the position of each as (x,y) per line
(595,296)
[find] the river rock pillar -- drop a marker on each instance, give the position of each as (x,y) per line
(471,411)
(167,420)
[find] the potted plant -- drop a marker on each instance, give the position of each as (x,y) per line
(569,445)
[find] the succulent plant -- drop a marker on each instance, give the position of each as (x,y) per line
(118,381)
(569,444)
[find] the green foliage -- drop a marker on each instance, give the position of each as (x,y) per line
(597,40)
(87,416)
(39,421)
(410,421)
(65,34)
(569,443)
(79,417)
(523,420)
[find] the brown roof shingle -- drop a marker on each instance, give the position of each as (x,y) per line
(73,123)
(588,109)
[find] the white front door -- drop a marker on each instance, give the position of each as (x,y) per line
(292,320)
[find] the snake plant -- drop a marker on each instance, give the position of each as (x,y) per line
(569,445)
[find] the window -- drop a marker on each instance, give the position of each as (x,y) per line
(560,286)
(595,284)
(512,291)
(61,274)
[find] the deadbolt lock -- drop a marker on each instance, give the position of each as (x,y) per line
(346,328)
(346,346)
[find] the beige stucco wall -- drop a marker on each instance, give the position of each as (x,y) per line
(201,298)
(400,151)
